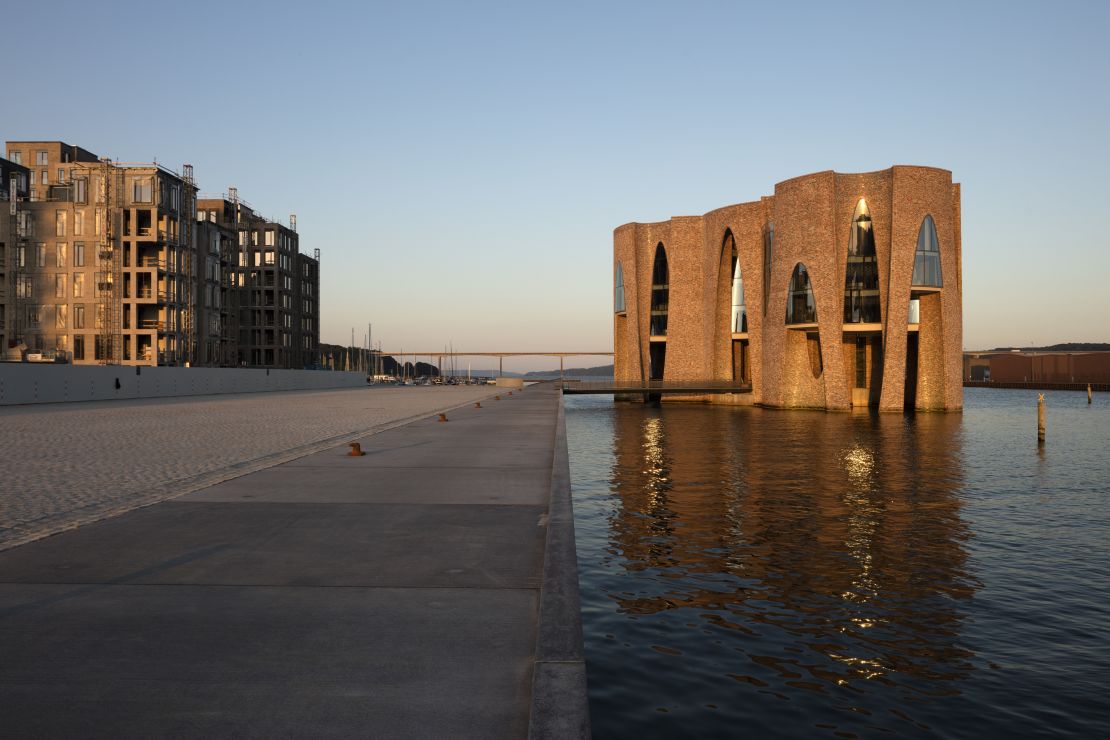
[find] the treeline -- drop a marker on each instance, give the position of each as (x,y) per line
(1062,347)
(336,357)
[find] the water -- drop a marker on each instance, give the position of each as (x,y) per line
(763,573)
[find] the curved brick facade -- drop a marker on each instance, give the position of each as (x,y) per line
(830,364)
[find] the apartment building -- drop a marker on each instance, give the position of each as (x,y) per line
(278,287)
(114,263)
(14,186)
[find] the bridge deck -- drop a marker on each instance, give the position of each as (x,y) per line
(655,386)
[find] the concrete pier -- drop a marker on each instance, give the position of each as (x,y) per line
(425,589)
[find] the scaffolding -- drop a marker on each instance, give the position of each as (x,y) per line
(21,228)
(109,274)
(187,215)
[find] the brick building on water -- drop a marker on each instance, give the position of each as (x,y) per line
(838,291)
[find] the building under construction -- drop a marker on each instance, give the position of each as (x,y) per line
(107,262)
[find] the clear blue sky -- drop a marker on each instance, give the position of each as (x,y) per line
(461,166)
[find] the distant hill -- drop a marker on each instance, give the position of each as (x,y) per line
(1063,347)
(574,372)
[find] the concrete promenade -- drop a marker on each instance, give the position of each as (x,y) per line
(427,589)
(67,464)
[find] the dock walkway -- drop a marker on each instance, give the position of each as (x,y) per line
(426,589)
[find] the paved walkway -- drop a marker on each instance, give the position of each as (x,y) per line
(71,463)
(427,589)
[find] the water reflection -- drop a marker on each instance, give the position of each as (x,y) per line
(780,551)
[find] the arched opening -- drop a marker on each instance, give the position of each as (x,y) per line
(801,308)
(730,287)
(926,261)
(660,290)
(861,279)
(618,290)
(737,313)
(862,306)
(924,376)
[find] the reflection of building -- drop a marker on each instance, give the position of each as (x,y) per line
(843,531)
(837,291)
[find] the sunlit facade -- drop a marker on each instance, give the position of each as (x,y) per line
(857,279)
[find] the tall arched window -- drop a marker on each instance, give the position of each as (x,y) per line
(800,306)
(739,321)
(861,279)
(768,253)
(926,262)
(660,288)
(618,290)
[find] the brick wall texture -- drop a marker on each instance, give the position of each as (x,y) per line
(816,366)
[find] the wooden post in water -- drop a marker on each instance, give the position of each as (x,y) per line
(1040,419)
(1088,394)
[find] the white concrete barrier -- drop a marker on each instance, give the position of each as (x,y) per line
(22,383)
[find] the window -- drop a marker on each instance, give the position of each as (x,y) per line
(768,254)
(101,313)
(78,285)
(99,223)
(269,237)
(44,178)
(60,223)
(79,316)
(61,174)
(242,238)
(257,258)
(926,262)
(861,279)
(269,256)
(24,286)
(60,285)
(40,254)
(60,315)
(20,256)
(41,158)
(34,316)
(16,157)
(60,254)
(739,316)
(81,190)
(78,223)
(78,254)
(618,290)
(79,346)
(660,293)
(142,190)
(800,306)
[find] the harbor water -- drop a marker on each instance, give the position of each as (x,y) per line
(748,572)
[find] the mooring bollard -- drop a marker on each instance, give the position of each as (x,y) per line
(443,417)
(478,405)
(356,450)
(1088,394)
(1040,419)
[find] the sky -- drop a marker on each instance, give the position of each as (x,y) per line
(462,165)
